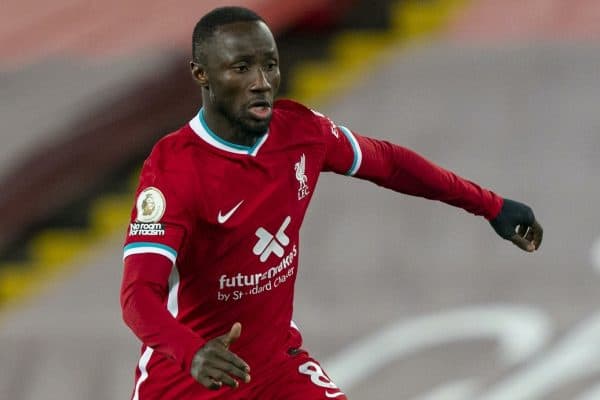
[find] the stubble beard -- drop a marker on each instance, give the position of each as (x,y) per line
(252,128)
(257,130)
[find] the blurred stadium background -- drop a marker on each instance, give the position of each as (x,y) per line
(401,298)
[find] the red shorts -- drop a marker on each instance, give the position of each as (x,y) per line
(300,377)
(296,377)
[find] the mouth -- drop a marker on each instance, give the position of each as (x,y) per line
(260,109)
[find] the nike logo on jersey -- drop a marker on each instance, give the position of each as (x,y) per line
(223,218)
(333,395)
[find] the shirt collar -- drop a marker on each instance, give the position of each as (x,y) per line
(199,126)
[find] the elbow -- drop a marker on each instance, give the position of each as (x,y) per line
(127,311)
(133,295)
(139,301)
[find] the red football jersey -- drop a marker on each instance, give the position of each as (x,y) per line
(214,236)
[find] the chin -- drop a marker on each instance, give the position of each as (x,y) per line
(257,128)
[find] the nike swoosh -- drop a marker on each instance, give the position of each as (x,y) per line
(333,395)
(223,218)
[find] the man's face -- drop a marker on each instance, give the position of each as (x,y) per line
(242,73)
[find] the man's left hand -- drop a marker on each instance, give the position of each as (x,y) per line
(516,223)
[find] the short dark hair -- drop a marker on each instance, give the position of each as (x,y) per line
(208,24)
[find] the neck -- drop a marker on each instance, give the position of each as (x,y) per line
(225,130)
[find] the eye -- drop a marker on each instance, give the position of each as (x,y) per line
(240,68)
(271,65)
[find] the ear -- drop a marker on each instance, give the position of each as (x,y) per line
(199,73)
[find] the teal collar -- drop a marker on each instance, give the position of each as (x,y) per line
(199,126)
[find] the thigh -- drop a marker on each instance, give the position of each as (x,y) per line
(302,378)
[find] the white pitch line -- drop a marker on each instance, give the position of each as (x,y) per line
(520,332)
(574,358)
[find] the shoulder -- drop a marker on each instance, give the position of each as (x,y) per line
(291,109)
(291,106)
(290,114)
(169,164)
(167,171)
(170,153)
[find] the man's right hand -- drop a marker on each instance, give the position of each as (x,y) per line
(214,365)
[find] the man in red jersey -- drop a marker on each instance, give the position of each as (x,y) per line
(214,236)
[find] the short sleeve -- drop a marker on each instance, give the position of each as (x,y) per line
(160,220)
(343,152)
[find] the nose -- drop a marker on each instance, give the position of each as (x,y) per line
(261,82)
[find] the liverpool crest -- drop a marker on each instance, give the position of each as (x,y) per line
(300,168)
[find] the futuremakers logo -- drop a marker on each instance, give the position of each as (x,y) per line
(271,244)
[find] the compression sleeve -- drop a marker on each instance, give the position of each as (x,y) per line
(149,286)
(400,169)
(403,170)
(160,223)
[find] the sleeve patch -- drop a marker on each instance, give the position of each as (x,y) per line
(152,229)
(150,205)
